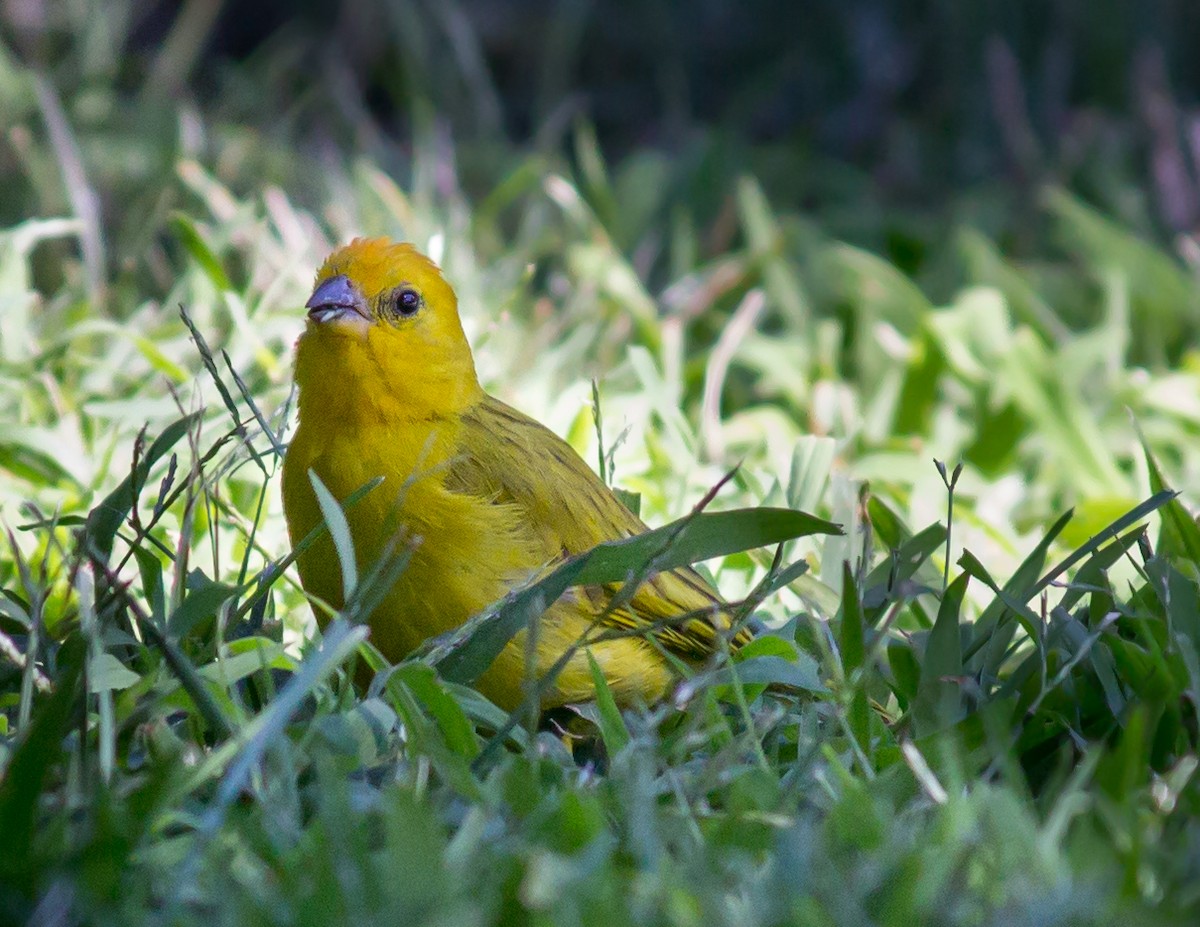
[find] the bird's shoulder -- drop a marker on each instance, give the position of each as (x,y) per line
(511,458)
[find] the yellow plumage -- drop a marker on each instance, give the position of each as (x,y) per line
(485,497)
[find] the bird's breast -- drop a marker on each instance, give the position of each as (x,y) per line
(462,551)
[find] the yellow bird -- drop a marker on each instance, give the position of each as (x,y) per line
(485,497)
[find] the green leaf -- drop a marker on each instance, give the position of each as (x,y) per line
(781,578)
(210,364)
(763,234)
(27,772)
(431,740)
(698,536)
(992,635)
(906,670)
(1179,535)
(339,530)
(338,643)
(106,673)
(193,242)
(246,657)
(457,730)
(1111,532)
(917,403)
(1161,290)
(985,264)
(151,570)
(812,461)
(878,290)
(889,527)
(631,500)
(854,655)
(939,698)
(1094,570)
(891,580)
(997,642)
(203,600)
(105,519)
(800,671)
(612,725)
(852,633)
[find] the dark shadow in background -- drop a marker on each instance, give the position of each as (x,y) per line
(983,85)
(918,98)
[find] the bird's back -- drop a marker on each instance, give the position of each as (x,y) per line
(512,459)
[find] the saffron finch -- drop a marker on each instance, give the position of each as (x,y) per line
(485,497)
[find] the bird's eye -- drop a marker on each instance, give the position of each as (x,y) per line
(407,301)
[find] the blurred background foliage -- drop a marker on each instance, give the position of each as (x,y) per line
(890,121)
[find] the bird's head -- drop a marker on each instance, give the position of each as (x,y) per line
(383,328)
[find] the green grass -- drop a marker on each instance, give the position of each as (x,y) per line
(976,706)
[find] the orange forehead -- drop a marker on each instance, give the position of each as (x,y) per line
(378,264)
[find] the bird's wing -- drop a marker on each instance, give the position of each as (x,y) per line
(511,459)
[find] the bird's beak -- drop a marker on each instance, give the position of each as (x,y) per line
(337,298)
